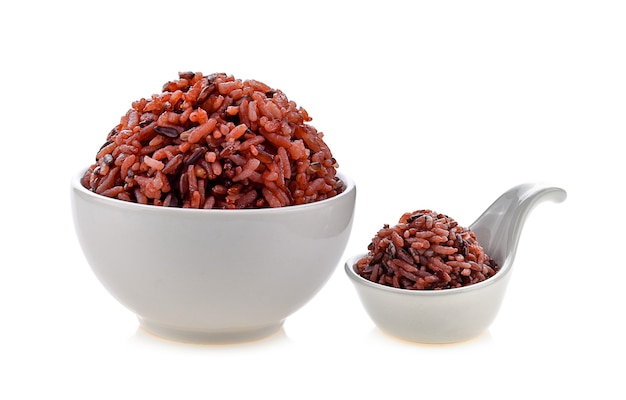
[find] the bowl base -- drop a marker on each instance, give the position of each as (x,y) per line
(222,336)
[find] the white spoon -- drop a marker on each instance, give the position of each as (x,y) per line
(452,315)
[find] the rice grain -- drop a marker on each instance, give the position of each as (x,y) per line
(180,147)
(425,251)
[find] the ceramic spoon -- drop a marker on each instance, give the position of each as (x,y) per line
(452,315)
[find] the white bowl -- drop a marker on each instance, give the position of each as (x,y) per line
(212,275)
(431,316)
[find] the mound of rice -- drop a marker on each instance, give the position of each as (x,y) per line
(215,142)
(426,250)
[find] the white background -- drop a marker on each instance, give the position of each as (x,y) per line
(427,104)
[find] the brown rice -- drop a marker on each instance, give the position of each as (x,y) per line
(215,142)
(426,250)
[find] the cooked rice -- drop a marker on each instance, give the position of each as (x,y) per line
(426,250)
(215,142)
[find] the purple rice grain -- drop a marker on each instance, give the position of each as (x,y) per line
(426,251)
(202,133)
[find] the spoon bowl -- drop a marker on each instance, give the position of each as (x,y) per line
(458,314)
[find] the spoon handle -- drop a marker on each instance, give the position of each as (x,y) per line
(499,227)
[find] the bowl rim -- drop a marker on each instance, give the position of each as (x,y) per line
(358,279)
(76,186)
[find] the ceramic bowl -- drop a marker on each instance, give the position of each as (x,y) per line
(431,316)
(212,275)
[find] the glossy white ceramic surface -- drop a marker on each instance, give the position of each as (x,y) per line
(212,275)
(443,316)
(459,314)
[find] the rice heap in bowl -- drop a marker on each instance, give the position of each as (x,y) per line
(426,250)
(215,142)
